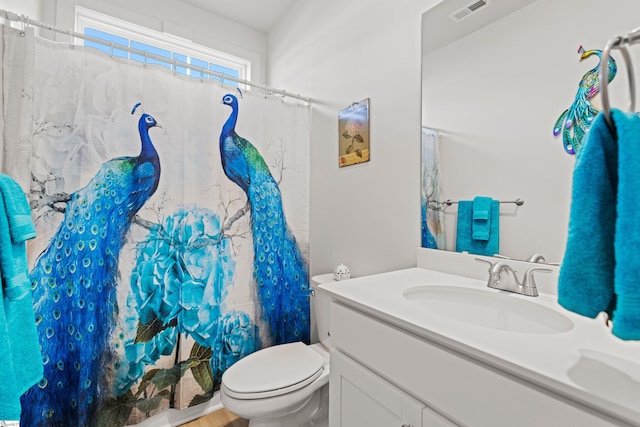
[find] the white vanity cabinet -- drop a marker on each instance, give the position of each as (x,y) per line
(365,399)
(384,375)
(360,397)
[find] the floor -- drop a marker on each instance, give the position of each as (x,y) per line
(221,418)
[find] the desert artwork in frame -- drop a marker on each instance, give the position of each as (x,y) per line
(353,129)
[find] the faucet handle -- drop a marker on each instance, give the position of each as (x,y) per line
(497,267)
(491,265)
(529,283)
(494,272)
(532,270)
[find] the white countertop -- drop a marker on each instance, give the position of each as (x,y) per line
(586,364)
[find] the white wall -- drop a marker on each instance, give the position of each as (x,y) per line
(368,215)
(30,8)
(496,94)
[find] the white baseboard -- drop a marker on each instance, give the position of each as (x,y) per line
(174,417)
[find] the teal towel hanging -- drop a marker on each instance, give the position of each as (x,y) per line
(599,272)
(481,214)
(21,360)
(464,236)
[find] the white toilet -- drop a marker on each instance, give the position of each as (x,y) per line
(285,385)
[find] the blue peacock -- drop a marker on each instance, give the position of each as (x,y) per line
(74,288)
(279,270)
(574,122)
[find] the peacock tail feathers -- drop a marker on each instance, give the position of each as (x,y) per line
(279,269)
(74,289)
(280,273)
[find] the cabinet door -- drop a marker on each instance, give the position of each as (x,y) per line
(359,398)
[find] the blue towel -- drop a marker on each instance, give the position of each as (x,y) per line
(18,211)
(480,225)
(585,283)
(601,266)
(626,316)
(20,357)
(464,239)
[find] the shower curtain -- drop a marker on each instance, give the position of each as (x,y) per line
(143,219)
(432,212)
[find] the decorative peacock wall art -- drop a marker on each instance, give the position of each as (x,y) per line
(279,269)
(574,122)
(74,285)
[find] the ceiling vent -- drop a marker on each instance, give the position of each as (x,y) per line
(468,10)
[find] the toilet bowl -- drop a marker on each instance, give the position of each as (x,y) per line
(286,385)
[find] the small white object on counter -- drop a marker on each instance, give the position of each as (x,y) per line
(341,272)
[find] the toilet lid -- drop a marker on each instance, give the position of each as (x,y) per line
(273,371)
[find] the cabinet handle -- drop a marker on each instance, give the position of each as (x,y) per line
(406,425)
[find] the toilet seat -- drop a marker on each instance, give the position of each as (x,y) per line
(291,367)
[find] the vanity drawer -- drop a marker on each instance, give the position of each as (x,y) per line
(455,385)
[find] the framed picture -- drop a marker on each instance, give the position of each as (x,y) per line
(353,129)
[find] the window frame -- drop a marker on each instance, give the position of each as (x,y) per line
(176,45)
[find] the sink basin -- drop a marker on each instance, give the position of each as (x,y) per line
(489,309)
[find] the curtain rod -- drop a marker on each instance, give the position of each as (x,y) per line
(26,21)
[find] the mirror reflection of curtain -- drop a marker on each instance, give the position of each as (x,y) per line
(171,268)
(432,223)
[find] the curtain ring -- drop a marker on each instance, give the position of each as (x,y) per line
(21,19)
(71,43)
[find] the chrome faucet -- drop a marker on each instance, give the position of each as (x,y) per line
(505,278)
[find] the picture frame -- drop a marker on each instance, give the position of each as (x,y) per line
(353,134)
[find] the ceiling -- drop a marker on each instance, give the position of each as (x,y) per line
(261,15)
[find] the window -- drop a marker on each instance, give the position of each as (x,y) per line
(119,32)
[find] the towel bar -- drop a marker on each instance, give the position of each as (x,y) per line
(518,202)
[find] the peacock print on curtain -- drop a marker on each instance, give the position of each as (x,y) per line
(279,269)
(168,246)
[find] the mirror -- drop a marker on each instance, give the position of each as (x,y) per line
(494,82)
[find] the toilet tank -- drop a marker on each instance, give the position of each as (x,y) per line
(320,307)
